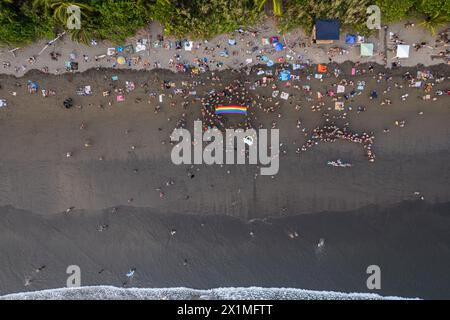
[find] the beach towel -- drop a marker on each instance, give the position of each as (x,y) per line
(339,106)
(321,68)
(273,39)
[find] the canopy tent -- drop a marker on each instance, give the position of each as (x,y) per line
(325,31)
(32,86)
(403,51)
(285,75)
(366,49)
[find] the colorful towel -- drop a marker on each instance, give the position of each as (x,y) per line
(231,110)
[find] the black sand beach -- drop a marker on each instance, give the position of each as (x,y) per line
(231,229)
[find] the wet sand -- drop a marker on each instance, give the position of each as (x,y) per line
(367,220)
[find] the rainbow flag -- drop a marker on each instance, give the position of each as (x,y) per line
(231,109)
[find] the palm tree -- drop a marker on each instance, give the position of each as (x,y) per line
(82,35)
(277,6)
(58,8)
(433,22)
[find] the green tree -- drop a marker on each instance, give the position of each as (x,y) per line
(304,12)
(57,9)
(433,22)
(118,19)
(436,12)
(434,8)
(394,10)
(200,18)
(20,24)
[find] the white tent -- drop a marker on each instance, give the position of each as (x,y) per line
(402,51)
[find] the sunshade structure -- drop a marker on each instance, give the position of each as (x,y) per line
(366,49)
(326,31)
(402,51)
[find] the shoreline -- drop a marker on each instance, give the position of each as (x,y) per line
(182,293)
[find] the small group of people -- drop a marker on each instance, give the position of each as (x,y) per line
(332,133)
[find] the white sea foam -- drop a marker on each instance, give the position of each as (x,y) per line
(250,293)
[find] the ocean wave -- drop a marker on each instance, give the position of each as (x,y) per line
(181,293)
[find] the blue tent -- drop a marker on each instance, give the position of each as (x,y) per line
(327,29)
(350,39)
(285,75)
(278,46)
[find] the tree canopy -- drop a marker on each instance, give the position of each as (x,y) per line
(23,21)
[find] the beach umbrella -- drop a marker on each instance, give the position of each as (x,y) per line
(366,49)
(121,60)
(402,51)
(350,39)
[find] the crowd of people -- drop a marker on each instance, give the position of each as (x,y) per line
(233,94)
(332,133)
